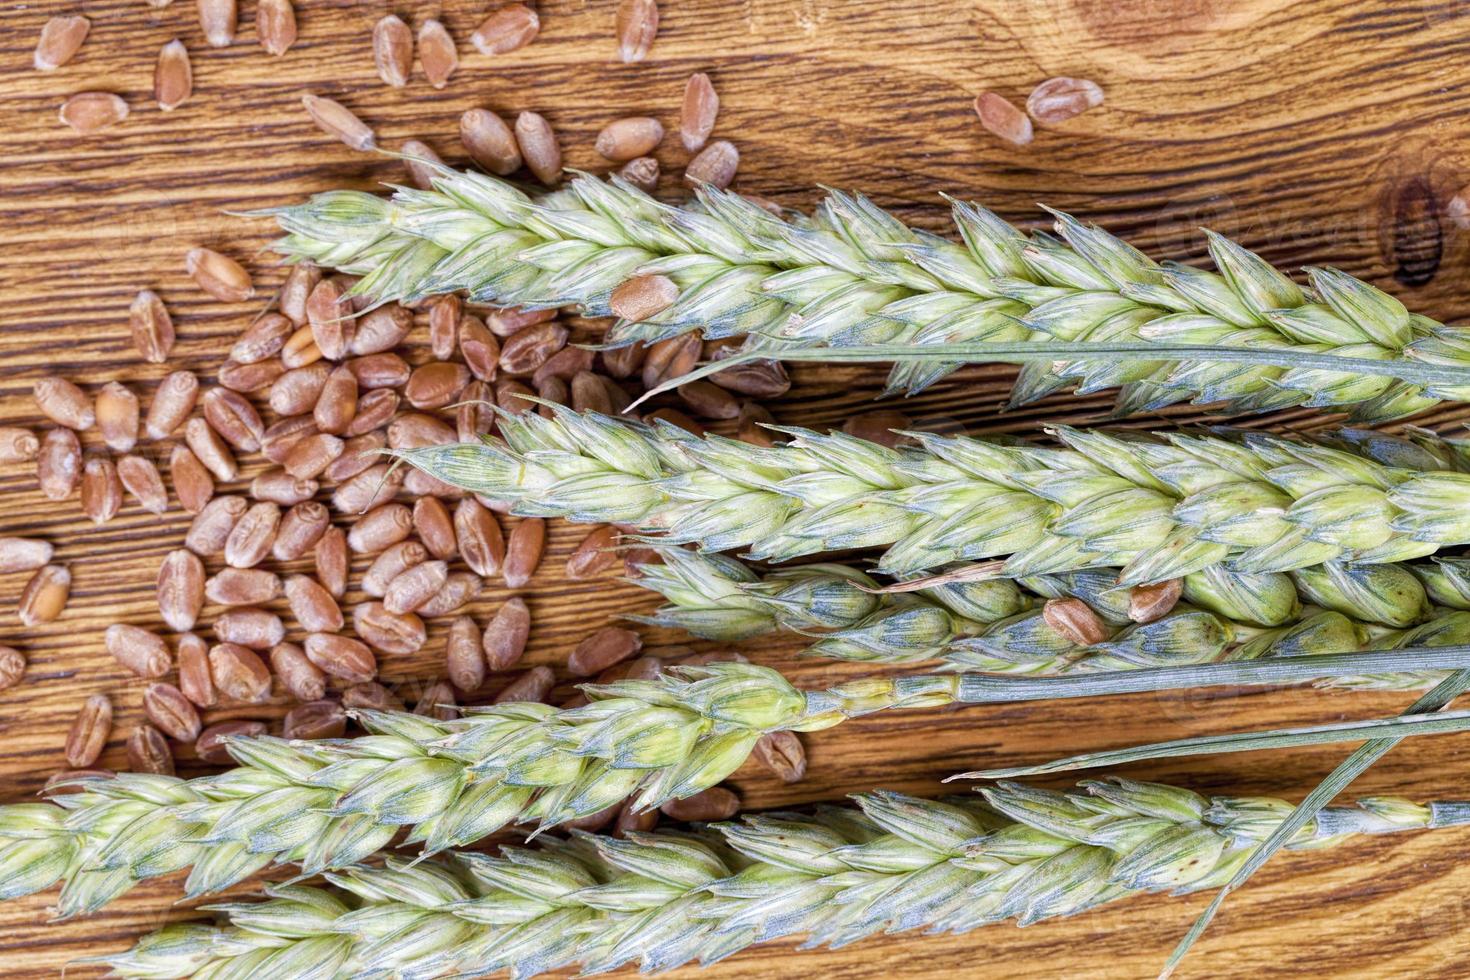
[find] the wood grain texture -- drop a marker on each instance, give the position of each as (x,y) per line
(1329,131)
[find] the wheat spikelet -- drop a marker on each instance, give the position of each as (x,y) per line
(1156,507)
(852,275)
(996,626)
(660,900)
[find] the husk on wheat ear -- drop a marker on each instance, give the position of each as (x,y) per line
(1005,626)
(1155,507)
(334,803)
(835,875)
(854,277)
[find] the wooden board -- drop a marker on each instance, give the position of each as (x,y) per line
(1316,132)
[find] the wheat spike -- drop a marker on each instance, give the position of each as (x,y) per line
(332,803)
(837,875)
(997,627)
(720,598)
(1156,507)
(852,275)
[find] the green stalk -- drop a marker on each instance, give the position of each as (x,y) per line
(837,875)
(1156,507)
(1054,354)
(1401,726)
(853,282)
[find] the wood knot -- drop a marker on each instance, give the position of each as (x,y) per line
(1416,235)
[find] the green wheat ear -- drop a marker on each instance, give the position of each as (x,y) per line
(332,804)
(836,875)
(999,626)
(853,277)
(1156,507)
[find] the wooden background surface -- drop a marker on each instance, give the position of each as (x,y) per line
(1327,132)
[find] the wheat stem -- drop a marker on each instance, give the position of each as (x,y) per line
(1157,507)
(837,875)
(853,276)
(1399,726)
(1049,353)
